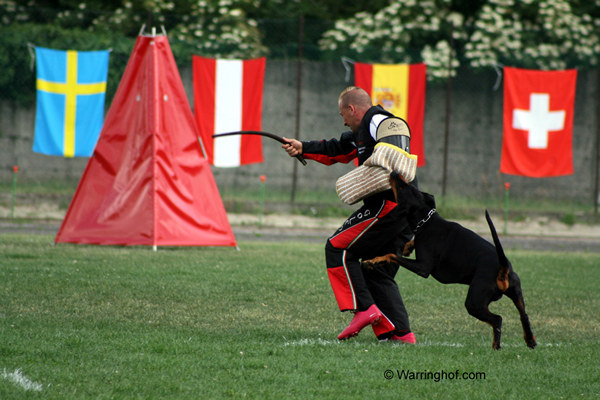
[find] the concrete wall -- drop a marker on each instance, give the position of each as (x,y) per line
(475,139)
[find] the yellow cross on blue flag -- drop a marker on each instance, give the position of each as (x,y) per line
(71,87)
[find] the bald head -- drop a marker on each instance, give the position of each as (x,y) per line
(353,103)
(355,96)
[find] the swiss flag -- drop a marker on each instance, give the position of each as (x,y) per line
(538,122)
(228,97)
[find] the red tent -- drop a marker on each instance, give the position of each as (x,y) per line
(148,182)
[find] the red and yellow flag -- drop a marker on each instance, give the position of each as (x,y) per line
(400,89)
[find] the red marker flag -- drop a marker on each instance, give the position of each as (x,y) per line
(228,97)
(400,89)
(538,122)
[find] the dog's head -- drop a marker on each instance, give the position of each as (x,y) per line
(408,195)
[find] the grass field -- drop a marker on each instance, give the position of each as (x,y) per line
(103,322)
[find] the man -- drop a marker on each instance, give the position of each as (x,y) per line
(377,228)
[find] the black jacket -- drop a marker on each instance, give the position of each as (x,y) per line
(348,146)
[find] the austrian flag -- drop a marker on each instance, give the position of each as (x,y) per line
(538,122)
(228,97)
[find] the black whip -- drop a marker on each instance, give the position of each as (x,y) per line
(260,133)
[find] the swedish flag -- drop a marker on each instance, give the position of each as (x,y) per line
(71,87)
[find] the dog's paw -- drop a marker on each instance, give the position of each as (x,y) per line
(380,261)
(531,343)
(372,264)
(408,248)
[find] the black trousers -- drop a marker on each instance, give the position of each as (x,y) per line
(375,229)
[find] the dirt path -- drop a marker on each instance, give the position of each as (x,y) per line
(535,234)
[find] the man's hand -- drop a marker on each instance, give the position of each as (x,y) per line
(292,146)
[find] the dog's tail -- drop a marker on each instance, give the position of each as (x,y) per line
(502,278)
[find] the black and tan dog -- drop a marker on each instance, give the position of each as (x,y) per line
(453,254)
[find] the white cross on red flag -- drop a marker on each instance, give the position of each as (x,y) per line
(538,122)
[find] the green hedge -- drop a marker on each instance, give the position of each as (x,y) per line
(17,80)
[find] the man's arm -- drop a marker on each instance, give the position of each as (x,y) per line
(324,151)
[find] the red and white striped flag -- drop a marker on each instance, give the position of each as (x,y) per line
(228,97)
(400,89)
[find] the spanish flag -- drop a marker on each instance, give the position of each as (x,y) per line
(400,89)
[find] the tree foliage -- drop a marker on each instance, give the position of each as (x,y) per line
(544,34)
(444,34)
(406,31)
(547,34)
(17,81)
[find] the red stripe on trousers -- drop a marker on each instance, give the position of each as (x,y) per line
(344,239)
(342,288)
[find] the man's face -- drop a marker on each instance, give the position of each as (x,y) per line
(349,116)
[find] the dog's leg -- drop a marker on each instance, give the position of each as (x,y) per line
(380,261)
(390,258)
(477,304)
(408,248)
(419,267)
(411,265)
(516,295)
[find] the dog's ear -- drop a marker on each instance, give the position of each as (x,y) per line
(398,179)
(429,199)
(397,183)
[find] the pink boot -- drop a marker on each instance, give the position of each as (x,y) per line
(361,319)
(408,338)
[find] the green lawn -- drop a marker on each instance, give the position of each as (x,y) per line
(104,322)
